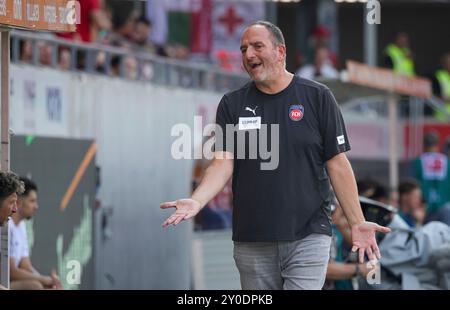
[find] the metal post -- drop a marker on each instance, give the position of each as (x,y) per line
(4,151)
(393,151)
(370,40)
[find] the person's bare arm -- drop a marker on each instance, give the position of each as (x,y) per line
(25,263)
(340,271)
(17,274)
(344,185)
(216,177)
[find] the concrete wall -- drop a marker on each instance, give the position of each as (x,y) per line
(131,123)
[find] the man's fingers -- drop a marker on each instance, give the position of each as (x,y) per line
(170,220)
(361,255)
(169,204)
(370,254)
(376,250)
(383,229)
(178,219)
(188,216)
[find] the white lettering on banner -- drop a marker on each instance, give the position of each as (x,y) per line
(54,105)
(340,140)
(246,123)
(17,9)
(72,13)
(50,14)
(3,7)
(33,12)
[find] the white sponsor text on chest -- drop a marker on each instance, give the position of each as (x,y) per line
(249,123)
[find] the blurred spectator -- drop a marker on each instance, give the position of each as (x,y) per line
(441,86)
(411,208)
(321,68)
(432,170)
(26,51)
(64,59)
(177,51)
(141,35)
(374,190)
(339,271)
(320,38)
(10,188)
(217,214)
(130,67)
(115,65)
(366,188)
(123,29)
(147,71)
(92,19)
(398,56)
(23,275)
(100,62)
(45,53)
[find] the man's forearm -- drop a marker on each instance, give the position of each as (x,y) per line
(344,185)
(339,271)
(18,274)
(216,177)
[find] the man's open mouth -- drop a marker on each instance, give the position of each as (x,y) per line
(255,65)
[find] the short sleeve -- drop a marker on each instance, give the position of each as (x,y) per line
(24,248)
(332,127)
(224,133)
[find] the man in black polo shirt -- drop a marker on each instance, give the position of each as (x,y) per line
(281,215)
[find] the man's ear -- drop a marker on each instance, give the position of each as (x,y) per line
(281,52)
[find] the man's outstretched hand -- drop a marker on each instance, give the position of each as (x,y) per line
(363,237)
(185,209)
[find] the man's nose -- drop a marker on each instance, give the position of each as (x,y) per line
(249,53)
(14,208)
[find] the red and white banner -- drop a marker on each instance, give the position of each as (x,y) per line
(201,26)
(229,19)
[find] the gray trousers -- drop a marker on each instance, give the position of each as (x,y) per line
(289,265)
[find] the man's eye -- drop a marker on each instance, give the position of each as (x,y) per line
(243,51)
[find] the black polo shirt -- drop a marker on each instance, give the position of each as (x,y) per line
(292,200)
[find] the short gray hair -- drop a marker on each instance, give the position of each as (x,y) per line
(275,32)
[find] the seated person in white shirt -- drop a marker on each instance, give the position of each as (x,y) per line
(23,275)
(321,68)
(10,187)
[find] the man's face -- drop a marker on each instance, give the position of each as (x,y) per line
(403,40)
(261,59)
(321,57)
(141,33)
(412,200)
(8,207)
(28,205)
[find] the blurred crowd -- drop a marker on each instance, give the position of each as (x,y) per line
(320,62)
(19,199)
(106,23)
(417,204)
(115,24)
